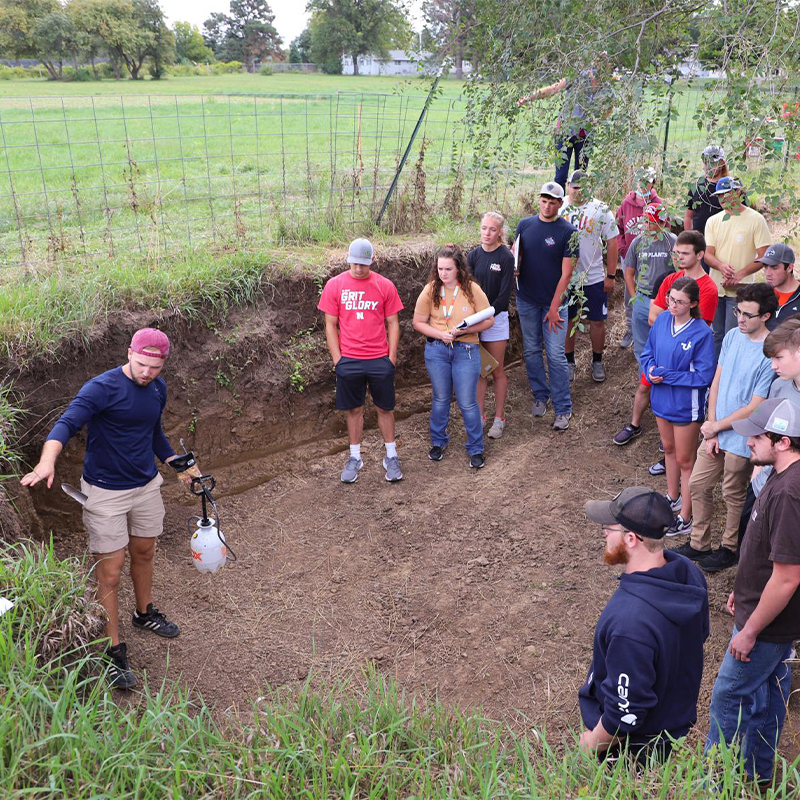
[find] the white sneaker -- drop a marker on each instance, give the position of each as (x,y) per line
(675,504)
(681,526)
(496,431)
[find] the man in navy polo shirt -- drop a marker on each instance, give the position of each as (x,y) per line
(547,251)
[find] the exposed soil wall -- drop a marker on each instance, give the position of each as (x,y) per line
(244,387)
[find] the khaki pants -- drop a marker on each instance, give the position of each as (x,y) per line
(735,472)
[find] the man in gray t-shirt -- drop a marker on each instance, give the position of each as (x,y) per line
(648,258)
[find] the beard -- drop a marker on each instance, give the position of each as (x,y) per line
(619,555)
(760,462)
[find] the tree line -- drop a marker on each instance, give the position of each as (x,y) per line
(133,38)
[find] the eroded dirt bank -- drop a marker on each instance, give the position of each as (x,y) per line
(479,587)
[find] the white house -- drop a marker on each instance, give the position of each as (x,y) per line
(399,62)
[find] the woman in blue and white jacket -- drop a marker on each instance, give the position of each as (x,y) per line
(679,360)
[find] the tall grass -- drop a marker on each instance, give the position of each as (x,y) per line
(10,416)
(62,735)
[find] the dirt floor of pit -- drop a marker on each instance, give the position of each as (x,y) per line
(479,587)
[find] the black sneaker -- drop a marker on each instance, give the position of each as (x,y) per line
(436,453)
(717,560)
(627,434)
(153,620)
(119,673)
(690,552)
(478,461)
(659,468)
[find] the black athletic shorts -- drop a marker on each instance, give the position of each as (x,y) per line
(595,306)
(352,377)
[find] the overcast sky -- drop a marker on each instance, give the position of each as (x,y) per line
(290,15)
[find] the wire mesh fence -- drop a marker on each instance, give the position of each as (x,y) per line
(85,177)
(88,178)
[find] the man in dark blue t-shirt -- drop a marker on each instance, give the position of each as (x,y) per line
(546,255)
(122,506)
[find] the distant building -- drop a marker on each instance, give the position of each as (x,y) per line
(399,62)
(694,68)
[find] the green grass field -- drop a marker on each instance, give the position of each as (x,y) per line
(305,84)
(93,170)
(109,172)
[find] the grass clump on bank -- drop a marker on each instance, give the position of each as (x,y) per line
(63,736)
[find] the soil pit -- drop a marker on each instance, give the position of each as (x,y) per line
(480,587)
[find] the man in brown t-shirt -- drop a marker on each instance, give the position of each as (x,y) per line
(753,684)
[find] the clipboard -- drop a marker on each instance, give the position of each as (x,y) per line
(488,362)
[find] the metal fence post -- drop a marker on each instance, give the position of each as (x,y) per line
(403,160)
(666,130)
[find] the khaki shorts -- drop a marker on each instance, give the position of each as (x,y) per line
(110,513)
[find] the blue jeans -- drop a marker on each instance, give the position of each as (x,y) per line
(749,701)
(566,147)
(724,320)
(639,324)
(454,368)
(535,338)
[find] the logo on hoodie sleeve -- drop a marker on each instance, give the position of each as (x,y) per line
(623,682)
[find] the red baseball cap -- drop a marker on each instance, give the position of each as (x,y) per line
(152,338)
(655,212)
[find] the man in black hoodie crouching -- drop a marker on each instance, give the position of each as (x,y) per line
(648,645)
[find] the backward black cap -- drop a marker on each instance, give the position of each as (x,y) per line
(647,513)
(636,508)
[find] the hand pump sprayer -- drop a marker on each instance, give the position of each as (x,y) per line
(210,551)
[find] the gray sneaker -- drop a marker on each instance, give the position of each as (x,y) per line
(539,409)
(571,368)
(351,468)
(598,372)
(627,339)
(392,467)
(562,421)
(496,431)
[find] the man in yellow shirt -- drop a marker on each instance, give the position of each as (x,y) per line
(736,238)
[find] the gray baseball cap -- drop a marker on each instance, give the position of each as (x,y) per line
(360,252)
(577,178)
(713,154)
(776,415)
(552,189)
(636,508)
(779,253)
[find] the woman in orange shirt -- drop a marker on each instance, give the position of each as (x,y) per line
(452,356)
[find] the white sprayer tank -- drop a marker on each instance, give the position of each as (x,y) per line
(208,547)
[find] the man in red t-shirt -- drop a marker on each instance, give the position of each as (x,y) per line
(688,251)
(361,307)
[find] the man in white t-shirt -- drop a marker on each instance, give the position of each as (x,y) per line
(592,281)
(736,238)
(360,307)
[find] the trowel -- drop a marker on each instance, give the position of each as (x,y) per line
(74,493)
